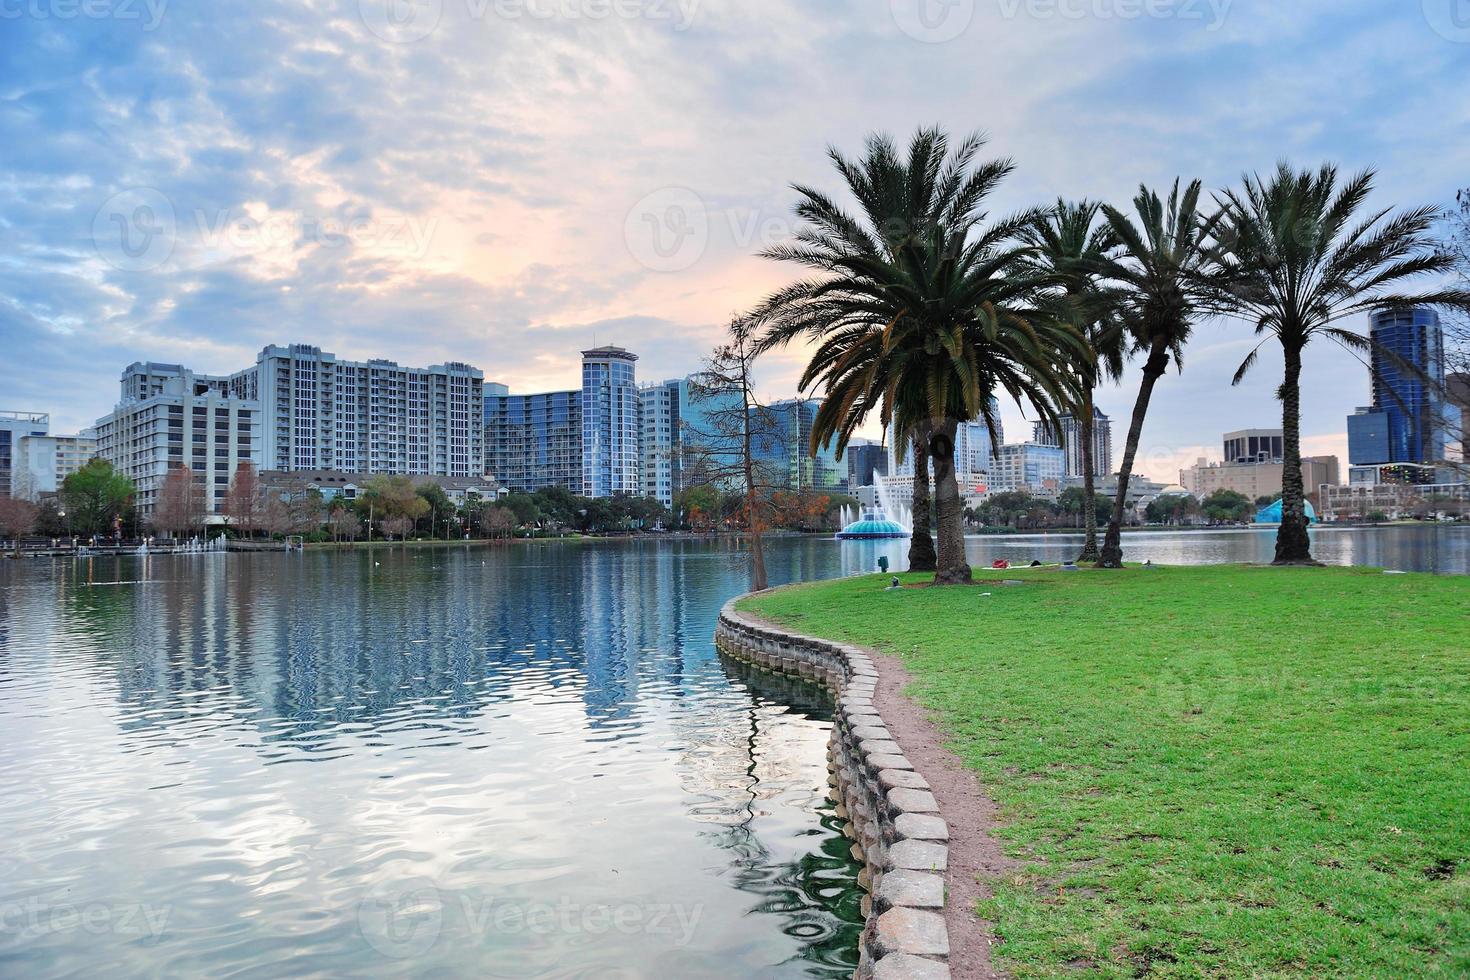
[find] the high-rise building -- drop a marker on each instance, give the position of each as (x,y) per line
(612,462)
(1028,466)
(13,427)
(866,461)
(1069,437)
(42,463)
(785,445)
(663,407)
(533,441)
(1406,422)
(321,412)
(168,417)
(1254,446)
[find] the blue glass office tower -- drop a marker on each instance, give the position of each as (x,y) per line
(783,449)
(612,462)
(1405,424)
(534,441)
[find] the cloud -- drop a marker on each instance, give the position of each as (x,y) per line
(467,195)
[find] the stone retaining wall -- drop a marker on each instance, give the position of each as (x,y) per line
(891,816)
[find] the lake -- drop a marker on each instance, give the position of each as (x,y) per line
(509,762)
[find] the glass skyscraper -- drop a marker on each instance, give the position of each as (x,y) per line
(611,427)
(1405,423)
(534,441)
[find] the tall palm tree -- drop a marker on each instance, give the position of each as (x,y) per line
(1297,257)
(920,309)
(1071,245)
(1163,272)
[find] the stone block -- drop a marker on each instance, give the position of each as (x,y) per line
(921,826)
(912,801)
(919,855)
(911,889)
(903,930)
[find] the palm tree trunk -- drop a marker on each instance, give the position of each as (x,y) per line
(922,557)
(953,569)
(1153,369)
(1089,484)
(1293,545)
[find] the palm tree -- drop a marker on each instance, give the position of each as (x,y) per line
(921,309)
(922,556)
(1296,258)
(1163,273)
(1072,247)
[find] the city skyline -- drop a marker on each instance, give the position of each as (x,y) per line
(283,212)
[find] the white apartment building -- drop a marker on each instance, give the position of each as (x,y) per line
(663,407)
(321,412)
(15,426)
(168,417)
(42,463)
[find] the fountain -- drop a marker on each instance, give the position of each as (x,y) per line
(871,525)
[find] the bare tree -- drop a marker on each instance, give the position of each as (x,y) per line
(181,507)
(17,519)
(244,503)
(735,438)
(344,524)
(1455,398)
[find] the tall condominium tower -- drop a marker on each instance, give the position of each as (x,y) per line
(1070,438)
(611,433)
(665,407)
(325,413)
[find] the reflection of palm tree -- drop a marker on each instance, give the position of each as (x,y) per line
(816,893)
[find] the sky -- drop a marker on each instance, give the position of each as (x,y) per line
(507,182)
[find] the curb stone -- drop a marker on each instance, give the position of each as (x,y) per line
(893,820)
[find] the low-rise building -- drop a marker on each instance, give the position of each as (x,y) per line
(1362,501)
(1256,479)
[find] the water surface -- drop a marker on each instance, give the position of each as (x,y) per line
(507,762)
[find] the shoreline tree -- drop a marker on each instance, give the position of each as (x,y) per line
(920,310)
(244,502)
(1296,256)
(180,509)
(1160,273)
(96,497)
(723,448)
(1072,247)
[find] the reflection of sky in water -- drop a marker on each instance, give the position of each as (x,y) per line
(509,762)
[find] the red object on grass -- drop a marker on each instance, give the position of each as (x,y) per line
(1000,563)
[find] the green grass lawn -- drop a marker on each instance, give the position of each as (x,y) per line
(1203,771)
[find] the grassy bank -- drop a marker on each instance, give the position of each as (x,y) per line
(1202,771)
